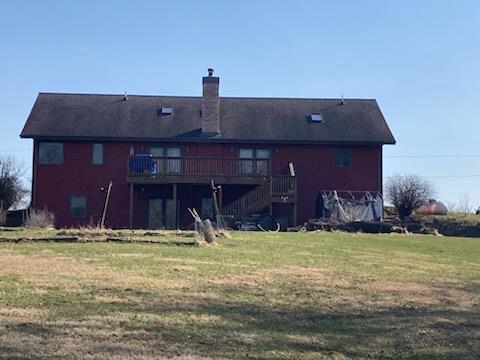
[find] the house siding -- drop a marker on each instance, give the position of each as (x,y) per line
(54,184)
(314,170)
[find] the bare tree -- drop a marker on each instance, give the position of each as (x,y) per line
(12,190)
(408,192)
(464,204)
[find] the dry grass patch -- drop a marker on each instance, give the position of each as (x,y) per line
(21,313)
(315,277)
(427,294)
(45,270)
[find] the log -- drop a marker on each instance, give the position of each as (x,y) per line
(208,232)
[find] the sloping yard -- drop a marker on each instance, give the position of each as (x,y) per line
(255,295)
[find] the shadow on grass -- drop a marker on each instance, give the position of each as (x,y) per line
(197,327)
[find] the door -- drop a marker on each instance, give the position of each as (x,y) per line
(263,156)
(174,166)
(246,162)
(155,213)
(171,214)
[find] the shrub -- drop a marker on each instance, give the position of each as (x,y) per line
(408,192)
(12,191)
(40,219)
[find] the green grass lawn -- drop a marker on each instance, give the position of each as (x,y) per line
(255,295)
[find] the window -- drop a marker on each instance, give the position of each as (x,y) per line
(342,158)
(97,154)
(254,161)
(50,153)
(170,165)
(78,207)
(157,151)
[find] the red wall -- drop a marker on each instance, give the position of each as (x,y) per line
(54,184)
(314,170)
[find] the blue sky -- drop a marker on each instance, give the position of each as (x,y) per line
(419,59)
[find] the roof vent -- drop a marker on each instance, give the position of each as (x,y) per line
(316,117)
(165,110)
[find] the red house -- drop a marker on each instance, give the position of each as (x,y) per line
(161,153)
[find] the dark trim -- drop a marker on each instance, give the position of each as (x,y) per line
(380,176)
(380,170)
(203,140)
(33,200)
(197,180)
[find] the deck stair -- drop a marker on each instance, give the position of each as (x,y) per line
(280,189)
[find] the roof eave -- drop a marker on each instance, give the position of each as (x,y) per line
(204,140)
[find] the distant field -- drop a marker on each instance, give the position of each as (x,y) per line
(255,295)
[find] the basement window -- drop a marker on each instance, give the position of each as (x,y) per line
(78,207)
(164,111)
(316,117)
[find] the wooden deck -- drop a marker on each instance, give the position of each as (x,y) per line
(197,170)
(222,170)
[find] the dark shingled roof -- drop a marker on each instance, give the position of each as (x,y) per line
(85,116)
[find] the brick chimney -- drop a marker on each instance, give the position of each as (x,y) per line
(210,105)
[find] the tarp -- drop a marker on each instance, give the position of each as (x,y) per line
(355,208)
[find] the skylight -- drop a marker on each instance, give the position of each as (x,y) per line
(316,117)
(165,110)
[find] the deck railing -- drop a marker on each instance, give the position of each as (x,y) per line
(151,166)
(254,198)
(283,185)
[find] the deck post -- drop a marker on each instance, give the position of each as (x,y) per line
(295,216)
(270,203)
(174,199)
(220,197)
(130,211)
